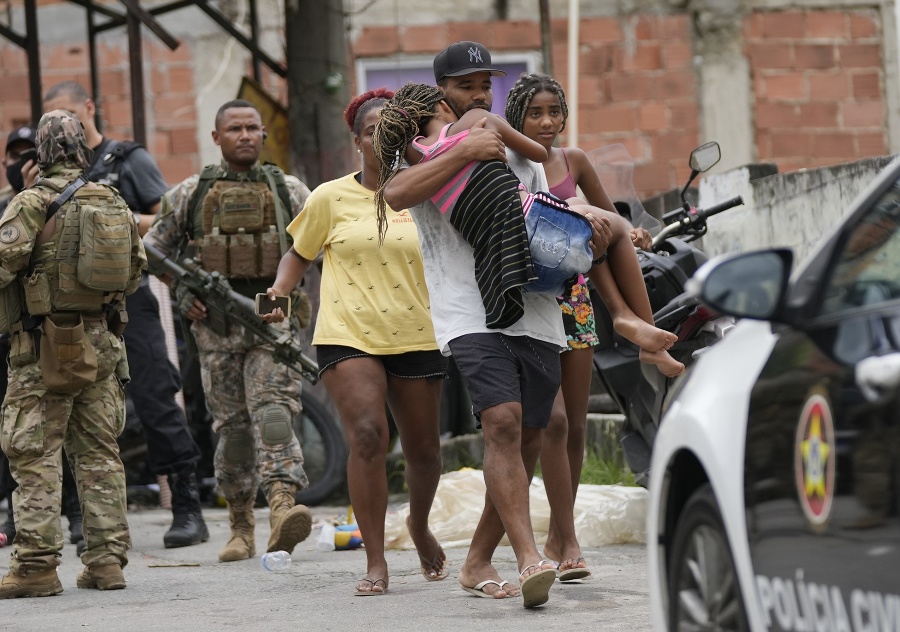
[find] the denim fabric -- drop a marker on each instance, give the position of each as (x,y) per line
(559,240)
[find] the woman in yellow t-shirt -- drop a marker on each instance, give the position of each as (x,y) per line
(375,345)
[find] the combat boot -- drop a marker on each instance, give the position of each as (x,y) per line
(41,584)
(188,526)
(105,577)
(242,544)
(291,523)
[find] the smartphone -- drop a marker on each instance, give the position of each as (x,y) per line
(28,154)
(264,305)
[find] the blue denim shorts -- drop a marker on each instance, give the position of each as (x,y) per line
(559,240)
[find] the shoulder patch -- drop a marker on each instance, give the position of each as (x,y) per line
(12,232)
(9,234)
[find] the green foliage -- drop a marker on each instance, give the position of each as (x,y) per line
(600,471)
(597,471)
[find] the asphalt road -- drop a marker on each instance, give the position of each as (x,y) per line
(189,589)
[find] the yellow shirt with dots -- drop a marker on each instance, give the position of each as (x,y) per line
(373,299)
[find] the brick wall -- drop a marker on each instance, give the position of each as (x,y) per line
(637,85)
(818,82)
(169,92)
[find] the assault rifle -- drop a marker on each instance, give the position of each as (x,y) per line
(223,303)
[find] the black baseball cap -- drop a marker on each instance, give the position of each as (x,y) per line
(28,134)
(463,58)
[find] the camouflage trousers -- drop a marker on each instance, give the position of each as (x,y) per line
(253,401)
(36,425)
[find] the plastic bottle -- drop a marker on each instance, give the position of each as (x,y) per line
(276,561)
(326,537)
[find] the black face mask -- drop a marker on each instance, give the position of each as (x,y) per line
(14,175)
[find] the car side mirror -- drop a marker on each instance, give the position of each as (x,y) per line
(748,285)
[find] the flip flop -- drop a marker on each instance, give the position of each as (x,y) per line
(372,593)
(427,566)
(536,587)
(478,589)
(572,574)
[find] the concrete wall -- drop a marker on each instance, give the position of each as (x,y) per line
(791,210)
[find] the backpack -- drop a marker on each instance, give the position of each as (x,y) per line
(111,162)
(96,236)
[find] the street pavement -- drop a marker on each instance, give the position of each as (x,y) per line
(189,589)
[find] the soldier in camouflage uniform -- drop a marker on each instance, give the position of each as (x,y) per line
(66,367)
(235,213)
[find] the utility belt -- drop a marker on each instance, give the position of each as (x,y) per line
(58,342)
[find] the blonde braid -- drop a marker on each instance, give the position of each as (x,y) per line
(401,120)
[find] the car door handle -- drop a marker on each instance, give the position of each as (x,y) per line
(877,375)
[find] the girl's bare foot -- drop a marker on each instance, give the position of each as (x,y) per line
(643,334)
(667,365)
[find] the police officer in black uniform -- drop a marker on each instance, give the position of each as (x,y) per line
(171,450)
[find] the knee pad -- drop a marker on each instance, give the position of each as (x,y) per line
(238,446)
(275,424)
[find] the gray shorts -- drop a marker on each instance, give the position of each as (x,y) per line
(499,369)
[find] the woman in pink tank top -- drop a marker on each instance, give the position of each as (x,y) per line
(536,106)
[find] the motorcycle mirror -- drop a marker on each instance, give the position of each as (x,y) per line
(702,159)
(705,156)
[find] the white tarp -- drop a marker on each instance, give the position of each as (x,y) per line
(604,514)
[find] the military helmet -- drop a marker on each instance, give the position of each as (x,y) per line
(60,137)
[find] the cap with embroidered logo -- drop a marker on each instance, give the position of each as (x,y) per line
(22,133)
(463,58)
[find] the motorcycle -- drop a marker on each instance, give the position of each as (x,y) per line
(640,391)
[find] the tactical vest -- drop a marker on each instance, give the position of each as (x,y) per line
(239,226)
(87,262)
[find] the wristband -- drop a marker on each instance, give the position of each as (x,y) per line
(601,258)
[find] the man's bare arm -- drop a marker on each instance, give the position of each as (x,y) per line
(416,184)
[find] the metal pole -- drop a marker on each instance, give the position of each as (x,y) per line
(572,97)
(34,60)
(136,63)
(546,43)
(254,35)
(92,61)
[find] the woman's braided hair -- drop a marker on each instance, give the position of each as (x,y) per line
(402,118)
(521,94)
(361,105)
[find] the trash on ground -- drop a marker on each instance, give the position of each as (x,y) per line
(604,514)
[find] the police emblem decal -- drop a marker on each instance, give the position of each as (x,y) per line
(814,457)
(9,234)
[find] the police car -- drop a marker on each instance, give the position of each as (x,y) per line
(775,485)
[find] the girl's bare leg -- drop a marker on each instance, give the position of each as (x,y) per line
(622,288)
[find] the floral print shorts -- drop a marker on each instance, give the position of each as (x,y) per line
(578,316)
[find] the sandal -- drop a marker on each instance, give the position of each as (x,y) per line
(573,573)
(536,587)
(373,592)
(439,561)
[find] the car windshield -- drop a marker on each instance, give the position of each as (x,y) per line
(867,269)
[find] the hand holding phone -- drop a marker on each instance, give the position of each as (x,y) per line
(265,305)
(28,154)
